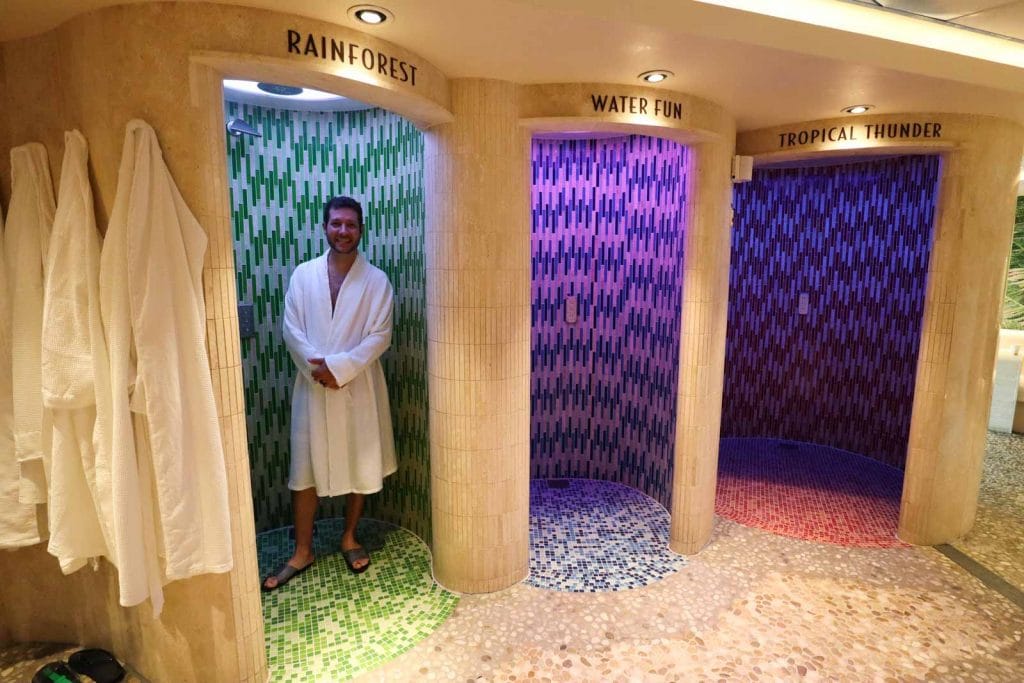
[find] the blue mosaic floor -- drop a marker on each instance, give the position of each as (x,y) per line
(594,536)
(330,625)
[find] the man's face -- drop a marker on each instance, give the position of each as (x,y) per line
(343,230)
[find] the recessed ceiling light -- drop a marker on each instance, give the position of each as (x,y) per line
(277,89)
(858,108)
(655,76)
(370,14)
(289,92)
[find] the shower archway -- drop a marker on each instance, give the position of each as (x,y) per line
(980,158)
(705,131)
(423,106)
(826,297)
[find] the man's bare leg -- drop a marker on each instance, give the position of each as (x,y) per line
(304,504)
(353,511)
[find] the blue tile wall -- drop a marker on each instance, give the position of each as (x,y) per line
(856,239)
(608,229)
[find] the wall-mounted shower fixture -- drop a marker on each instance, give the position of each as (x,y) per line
(238,127)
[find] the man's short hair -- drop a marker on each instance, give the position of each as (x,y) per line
(343,203)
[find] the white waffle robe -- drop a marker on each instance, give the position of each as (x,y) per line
(73,352)
(345,433)
(18,522)
(29,220)
(157,419)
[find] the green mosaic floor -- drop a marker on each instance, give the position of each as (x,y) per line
(331,625)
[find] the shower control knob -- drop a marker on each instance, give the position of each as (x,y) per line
(571,309)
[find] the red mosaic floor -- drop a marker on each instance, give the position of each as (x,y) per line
(810,492)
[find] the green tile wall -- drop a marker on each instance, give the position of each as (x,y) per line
(1013,303)
(278,185)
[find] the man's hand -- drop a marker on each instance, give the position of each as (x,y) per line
(322,374)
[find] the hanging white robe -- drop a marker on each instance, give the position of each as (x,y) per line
(29,220)
(157,418)
(18,522)
(73,350)
(345,432)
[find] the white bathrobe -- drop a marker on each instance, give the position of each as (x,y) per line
(157,419)
(18,523)
(346,432)
(73,351)
(29,220)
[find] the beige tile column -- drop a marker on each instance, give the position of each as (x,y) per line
(963,302)
(476,180)
(223,346)
(701,344)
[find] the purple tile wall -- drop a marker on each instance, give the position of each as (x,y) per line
(856,239)
(608,229)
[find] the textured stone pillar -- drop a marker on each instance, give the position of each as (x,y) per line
(701,344)
(213,210)
(963,302)
(477,197)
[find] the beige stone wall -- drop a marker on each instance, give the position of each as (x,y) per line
(973,229)
(640,110)
(5,145)
(963,305)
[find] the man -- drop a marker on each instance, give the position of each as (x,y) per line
(337,323)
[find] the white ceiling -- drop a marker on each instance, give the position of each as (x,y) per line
(1001,17)
(767,70)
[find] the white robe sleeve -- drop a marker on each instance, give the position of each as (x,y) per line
(18,522)
(347,365)
(27,238)
(294,327)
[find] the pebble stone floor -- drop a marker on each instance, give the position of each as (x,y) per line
(997,538)
(811,492)
(330,625)
(588,536)
(751,606)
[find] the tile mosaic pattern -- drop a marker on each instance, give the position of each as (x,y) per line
(997,538)
(751,606)
(808,491)
(593,536)
(608,229)
(1013,300)
(330,625)
(856,239)
(278,185)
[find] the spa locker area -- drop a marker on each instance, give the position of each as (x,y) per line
(683,383)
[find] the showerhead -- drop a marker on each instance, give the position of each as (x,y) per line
(238,127)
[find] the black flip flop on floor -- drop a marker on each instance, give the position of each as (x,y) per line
(55,672)
(353,555)
(285,574)
(97,664)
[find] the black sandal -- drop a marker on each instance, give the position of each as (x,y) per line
(99,665)
(55,671)
(285,574)
(354,554)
